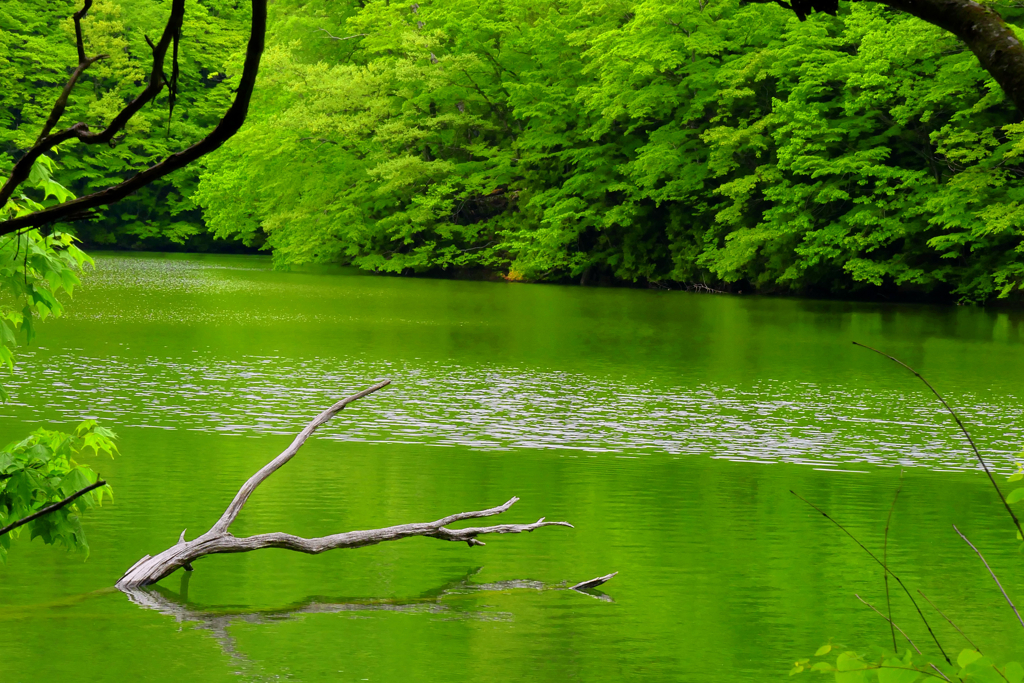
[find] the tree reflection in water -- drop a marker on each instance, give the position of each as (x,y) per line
(216,620)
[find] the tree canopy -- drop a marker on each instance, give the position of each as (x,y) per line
(643,141)
(646,141)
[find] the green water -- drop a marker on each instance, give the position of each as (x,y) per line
(667,427)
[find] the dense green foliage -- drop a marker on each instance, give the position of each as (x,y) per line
(43,468)
(37,53)
(635,141)
(36,269)
(640,141)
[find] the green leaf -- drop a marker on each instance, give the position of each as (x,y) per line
(967,656)
(851,668)
(1015,495)
(981,670)
(823,650)
(899,673)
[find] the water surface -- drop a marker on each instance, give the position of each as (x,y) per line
(668,427)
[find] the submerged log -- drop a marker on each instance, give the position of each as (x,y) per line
(218,539)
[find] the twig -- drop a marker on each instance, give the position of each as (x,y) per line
(963,429)
(994,577)
(969,642)
(50,508)
(885,561)
(887,570)
(62,100)
(337,38)
(593,583)
(83,64)
(891,623)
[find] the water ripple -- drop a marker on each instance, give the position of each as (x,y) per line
(502,408)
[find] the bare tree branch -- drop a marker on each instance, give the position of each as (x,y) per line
(960,424)
(228,126)
(891,623)
(81,130)
(79,39)
(218,539)
(51,508)
(255,480)
(358,35)
(994,577)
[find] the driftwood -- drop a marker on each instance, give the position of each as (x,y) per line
(218,539)
(592,583)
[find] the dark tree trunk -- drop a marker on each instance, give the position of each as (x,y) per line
(979,27)
(983,30)
(228,125)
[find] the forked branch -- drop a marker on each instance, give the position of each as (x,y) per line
(218,539)
(228,125)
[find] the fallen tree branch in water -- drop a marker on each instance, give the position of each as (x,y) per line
(218,539)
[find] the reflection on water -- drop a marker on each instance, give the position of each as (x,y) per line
(442,602)
(495,408)
(169,344)
(645,418)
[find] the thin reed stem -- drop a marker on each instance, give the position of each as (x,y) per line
(969,641)
(891,623)
(963,429)
(885,561)
(994,577)
(887,571)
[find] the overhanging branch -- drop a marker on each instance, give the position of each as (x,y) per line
(53,507)
(228,126)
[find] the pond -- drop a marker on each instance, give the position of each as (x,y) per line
(668,427)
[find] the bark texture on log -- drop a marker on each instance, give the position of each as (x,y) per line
(978,26)
(218,539)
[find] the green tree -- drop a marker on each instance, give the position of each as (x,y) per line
(644,141)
